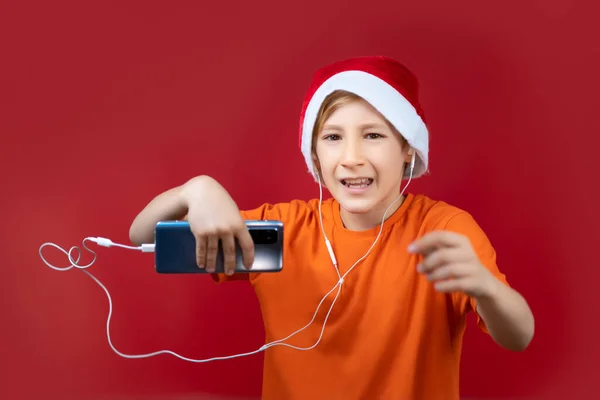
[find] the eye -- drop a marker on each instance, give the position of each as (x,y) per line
(332,136)
(374,136)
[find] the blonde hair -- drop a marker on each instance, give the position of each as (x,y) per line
(332,102)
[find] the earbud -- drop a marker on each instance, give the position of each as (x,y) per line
(412,161)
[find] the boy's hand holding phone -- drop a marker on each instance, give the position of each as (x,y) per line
(213,216)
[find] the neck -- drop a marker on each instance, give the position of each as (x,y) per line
(370,219)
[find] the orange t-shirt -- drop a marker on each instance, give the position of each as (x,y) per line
(390,335)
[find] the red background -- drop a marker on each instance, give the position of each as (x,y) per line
(106,104)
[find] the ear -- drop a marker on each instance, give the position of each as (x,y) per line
(317,169)
(409,154)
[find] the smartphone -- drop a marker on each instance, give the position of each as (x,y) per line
(175,248)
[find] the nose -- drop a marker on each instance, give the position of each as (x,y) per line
(352,154)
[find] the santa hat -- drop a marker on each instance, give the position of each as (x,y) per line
(384,83)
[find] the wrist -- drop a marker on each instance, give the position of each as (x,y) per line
(190,190)
(490,290)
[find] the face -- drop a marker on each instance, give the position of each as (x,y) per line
(361,160)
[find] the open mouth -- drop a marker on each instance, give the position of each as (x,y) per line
(357,183)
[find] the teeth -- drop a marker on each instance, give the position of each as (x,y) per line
(357,182)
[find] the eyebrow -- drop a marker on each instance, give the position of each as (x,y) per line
(363,126)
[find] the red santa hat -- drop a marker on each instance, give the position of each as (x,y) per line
(384,83)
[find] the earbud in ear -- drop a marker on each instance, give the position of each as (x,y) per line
(412,161)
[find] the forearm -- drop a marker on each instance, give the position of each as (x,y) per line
(169,205)
(507,317)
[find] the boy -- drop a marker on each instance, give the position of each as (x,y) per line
(401,270)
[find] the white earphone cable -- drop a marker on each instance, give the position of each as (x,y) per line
(150,248)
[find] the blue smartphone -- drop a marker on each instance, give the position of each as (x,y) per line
(175,248)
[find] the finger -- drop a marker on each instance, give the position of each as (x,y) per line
(201,251)
(229,261)
(440,257)
(434,240)
(212,247)
(247,246)
(453,285)
(450,271)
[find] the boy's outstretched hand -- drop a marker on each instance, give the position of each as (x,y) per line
(451,264)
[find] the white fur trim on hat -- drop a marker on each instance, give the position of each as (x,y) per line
(385,99)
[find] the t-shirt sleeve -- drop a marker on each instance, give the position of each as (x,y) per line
(266,211)
(463,223)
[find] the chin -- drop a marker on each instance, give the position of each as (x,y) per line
(357,206)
